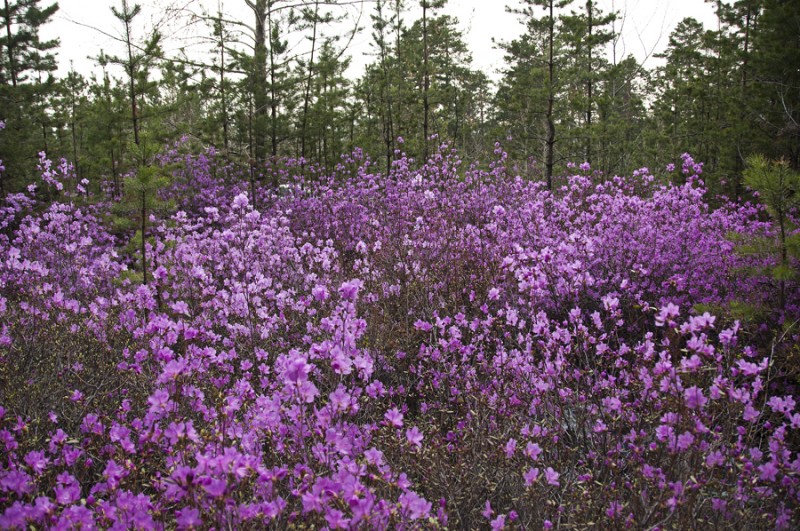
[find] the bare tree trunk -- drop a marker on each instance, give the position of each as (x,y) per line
(44,114)
(144,241)
(273,99)
(223,94)
(74,134)
(388,126)
(131,71)
(114,173)
(258,80)
(739,165)
(427,81)
(10,47)
(551,127)
(589,87)
(308,82)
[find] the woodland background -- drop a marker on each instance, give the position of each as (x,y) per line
(563,94)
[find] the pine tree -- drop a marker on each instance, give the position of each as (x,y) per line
(269,82)
(778,186)
(26,83)
(108,113)
(140,200)
(584,35)
(541,39)
(327,122)
(138,60)
(383,74)
(621,142)
(775,92)
(684,104)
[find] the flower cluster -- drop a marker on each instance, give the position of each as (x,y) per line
(439,346)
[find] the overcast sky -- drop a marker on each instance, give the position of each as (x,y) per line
(645,27)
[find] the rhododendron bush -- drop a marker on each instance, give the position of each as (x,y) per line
(443,346)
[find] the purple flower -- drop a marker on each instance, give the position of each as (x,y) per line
(768,471)
(423,325)
(694,398)
(533,450)
(498,523)
(37,461)
(414,506)
(340,399)
(715,458)
(394,418)
(336,519)
(215,487)
(76,517)
(613,405)
(487,510)
(374,456)
(349,290)
(160,402)
(180,307)
(531,476)
(307,392)
(297,370)
(188,518)
(414,437)
(750,413)
(685,440)
(614,509)
(68,490)
(666,313)
(240,201)
(319,293)
(551,476)
(749,368)
(510,447)
(16,481)
(113,474)
(665,433)
(783,404)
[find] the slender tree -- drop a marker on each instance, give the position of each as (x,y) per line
(139,58)
(426,6)
(26,84)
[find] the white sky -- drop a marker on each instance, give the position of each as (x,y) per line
(645,25)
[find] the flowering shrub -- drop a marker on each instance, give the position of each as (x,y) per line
(436,347)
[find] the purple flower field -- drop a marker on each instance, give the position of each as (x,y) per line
(441,347)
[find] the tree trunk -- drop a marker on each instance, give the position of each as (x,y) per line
(308,82)
(589,9)
(258,79)
(131,71)
(10,47)
(427,81)
(388,127)
(144,241)
(551,127)
(223,95)
(740,155)
(74,135)
(273,98)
